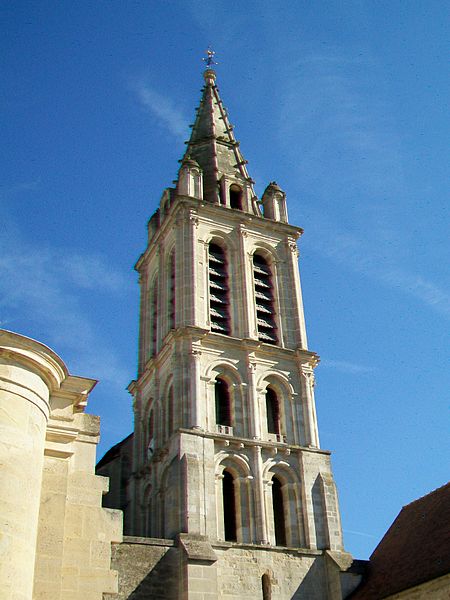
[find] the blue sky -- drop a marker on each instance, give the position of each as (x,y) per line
(344,104)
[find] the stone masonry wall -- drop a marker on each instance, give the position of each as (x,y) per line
(193,569)
(148,568)
(293,575)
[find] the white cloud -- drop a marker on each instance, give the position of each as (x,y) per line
(376,262)
(92,272)
(45,288)
(164,109)
(7,192)
(334,104)
(346,367)
(361,533)
(416,285)
(353,163)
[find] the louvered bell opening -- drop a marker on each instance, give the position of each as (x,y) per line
(218,285)
(172,294)
(268,338)
(264,300)
(215,272)
(217,313)
(215,257)
(218,290)
(261,269)
(260,308)
(215,299)
(266,323)
(262,296)
(262,285)
(219,327)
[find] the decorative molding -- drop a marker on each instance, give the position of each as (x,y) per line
(192,216)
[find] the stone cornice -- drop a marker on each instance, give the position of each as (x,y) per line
(228,216)
(240,442)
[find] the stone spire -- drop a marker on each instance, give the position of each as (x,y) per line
(212,143)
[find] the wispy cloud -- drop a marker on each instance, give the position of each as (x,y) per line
(353,163)
(349,139)
(415,285)
(346,366)
(50,287)
(9,191)
(373,261)
(361,533)
(92,272)
(163,108)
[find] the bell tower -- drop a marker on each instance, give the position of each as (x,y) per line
(226,446)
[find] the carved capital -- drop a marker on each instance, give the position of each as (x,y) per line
(192,217)
(309,377)
(252,367)
(292,245)
(243,231)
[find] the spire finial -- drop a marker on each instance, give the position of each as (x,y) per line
(209,58)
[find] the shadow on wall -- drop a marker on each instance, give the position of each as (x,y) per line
(146,571)
(313,585)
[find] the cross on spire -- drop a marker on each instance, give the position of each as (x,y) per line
(209,59)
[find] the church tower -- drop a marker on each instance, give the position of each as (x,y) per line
(226,447)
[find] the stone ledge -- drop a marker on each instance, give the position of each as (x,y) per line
(197,547)
(131,539)
(222,545)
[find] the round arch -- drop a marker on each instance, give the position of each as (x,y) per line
(234,498)
(238,465)
(215,236)
(228,373)
(265,250)
(224,368)
(276,379)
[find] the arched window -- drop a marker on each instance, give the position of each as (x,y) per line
(278,512)
(221,190)
(196,183)
(273,412)
(218,290)
(148,510)
(229,507)
(266,587)
(235,197)
(265,301)
(150,436)
(223,402)
(171,304)
(154,316)
(170,413)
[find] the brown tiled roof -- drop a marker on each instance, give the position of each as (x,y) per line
(415,549)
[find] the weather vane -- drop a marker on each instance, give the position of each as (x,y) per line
(209,59)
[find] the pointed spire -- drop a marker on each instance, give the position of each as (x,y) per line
(212,143)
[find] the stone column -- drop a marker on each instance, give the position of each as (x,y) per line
(298,316)
(196,420)
(260,502)
(243,275)
(29,372)
(144,306)
(311,430)
(253,402)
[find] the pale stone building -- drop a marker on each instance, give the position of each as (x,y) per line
(55,537)
(224,488)
(225,458)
